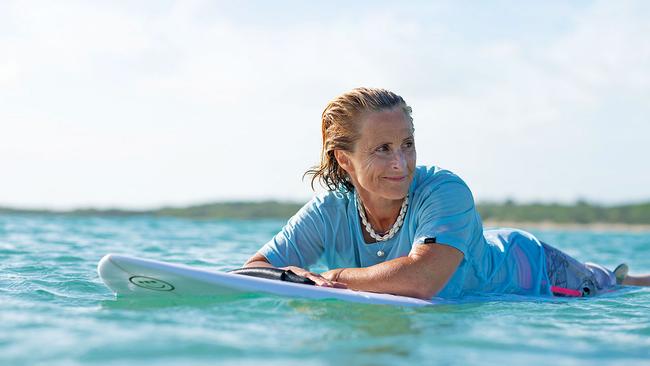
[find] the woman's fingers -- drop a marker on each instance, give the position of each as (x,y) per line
(332,276)
(322,281)
(318,279)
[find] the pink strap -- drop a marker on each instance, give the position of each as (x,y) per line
(565,291)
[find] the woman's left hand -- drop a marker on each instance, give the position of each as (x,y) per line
(332,275)
(318,279)
(421,274)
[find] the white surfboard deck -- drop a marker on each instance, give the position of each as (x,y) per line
(137,277)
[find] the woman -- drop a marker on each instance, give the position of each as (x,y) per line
(386,225)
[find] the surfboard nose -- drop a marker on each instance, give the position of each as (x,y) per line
(102,264)
(111,274)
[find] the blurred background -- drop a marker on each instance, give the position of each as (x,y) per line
(139,105)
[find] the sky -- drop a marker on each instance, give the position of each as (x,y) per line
(141,104)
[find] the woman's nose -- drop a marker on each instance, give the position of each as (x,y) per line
(399,160)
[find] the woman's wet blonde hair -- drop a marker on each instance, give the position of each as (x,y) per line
(340,131)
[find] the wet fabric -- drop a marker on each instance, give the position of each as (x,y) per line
(566,272)
(441,206)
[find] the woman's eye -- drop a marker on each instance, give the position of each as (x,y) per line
(409,144)
(383,148)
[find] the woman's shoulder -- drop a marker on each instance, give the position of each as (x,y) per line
(438,188)
(331,198)
(327,202)
(432,177)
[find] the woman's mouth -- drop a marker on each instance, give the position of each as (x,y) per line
(396,179)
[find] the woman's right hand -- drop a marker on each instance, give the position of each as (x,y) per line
(259,260)
(318,279)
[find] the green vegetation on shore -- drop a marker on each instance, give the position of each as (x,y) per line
(218,210)
(578,213)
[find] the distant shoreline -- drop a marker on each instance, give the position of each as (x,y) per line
(578,216)
(548,225)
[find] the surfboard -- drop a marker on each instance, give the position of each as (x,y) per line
(134,277)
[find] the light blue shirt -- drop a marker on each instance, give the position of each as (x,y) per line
(441,206)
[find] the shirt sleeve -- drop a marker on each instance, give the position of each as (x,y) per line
(449,215)
(300,242)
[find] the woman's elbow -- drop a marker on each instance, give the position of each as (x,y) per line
(257,260)
(420,289)
(425,292)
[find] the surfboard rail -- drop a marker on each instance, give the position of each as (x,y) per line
(129,276)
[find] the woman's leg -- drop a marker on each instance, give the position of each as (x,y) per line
(642,280)
(622,278)
(629,280)
(565,272)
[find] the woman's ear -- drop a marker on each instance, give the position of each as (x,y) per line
(343,160)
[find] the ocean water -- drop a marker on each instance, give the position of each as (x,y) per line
(54,310)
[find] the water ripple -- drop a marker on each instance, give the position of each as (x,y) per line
(55,310)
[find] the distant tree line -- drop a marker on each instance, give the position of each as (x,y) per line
(581,212)
(218,210)
(234,210)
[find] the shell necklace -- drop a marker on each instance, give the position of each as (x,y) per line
(393,230)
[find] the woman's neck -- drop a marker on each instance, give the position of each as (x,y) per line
(380,212)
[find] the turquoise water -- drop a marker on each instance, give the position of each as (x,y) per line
(55,311)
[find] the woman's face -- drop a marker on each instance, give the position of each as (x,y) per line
(383,160)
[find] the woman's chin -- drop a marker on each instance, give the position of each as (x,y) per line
(395,194)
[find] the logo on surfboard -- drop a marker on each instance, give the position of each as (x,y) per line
(151,283)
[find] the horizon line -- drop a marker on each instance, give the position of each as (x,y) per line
(506,201)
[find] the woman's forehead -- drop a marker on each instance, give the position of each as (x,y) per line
(392,123)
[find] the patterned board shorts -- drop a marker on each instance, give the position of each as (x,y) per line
(566,273)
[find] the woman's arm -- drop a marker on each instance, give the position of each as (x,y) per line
(422,274)
(258,260)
